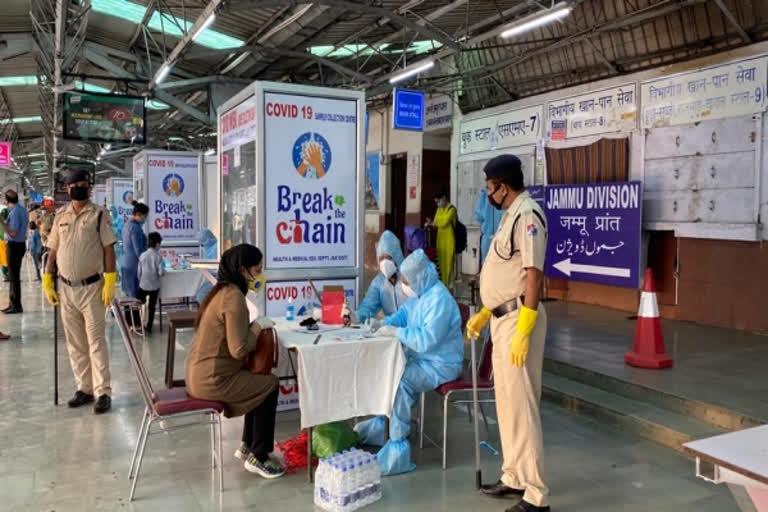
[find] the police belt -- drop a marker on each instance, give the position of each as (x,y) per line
(95,278)
(507,307)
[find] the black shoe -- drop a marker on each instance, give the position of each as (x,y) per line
(524,506)
(148,329)
(12,311)
(103,404)
(499,490)
(6,310)
(79,399)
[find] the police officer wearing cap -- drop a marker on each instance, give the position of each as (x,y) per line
(81,244)
(510,281)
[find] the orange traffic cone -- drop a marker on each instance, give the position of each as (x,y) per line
(648,350)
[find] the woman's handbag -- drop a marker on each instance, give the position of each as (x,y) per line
(262,360)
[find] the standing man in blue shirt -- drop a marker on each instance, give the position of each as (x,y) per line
(16,238)
(489,219)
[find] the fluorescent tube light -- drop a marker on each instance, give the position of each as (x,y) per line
(537,20)
(163,73)
(210,152)
(409,72)
(204,26)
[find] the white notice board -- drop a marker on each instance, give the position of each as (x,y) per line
(172,195)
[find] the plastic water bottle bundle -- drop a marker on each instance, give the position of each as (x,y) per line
(347,481)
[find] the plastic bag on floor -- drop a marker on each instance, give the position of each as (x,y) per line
(372,432)
(294,452)
(395,458)
(332,438)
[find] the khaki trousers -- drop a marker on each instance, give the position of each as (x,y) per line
(82,313)
(518,392)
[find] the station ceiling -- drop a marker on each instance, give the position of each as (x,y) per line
(121,45)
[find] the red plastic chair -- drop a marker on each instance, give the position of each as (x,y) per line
(461,385)
(165,406)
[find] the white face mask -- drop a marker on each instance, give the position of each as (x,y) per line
(408,291)
(388,268)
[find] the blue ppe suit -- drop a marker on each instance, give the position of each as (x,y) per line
(381,295)
(134,243)
(489,219)
(207,241)
(117,227)
(429,328)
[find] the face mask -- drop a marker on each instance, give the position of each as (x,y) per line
(256,284)
(493,202)
(78,193)
(388,268)
(408,291)
(440,203)
(142,220)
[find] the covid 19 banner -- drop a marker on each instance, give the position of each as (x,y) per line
(172,194)
(311,163)
(121,197)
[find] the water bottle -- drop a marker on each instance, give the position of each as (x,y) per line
(289,310)
(376,479)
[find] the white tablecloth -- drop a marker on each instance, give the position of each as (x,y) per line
(339,377)
(180,283)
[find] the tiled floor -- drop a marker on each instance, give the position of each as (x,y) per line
(57,459)
(712,364)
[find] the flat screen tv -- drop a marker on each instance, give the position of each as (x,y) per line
(108,118)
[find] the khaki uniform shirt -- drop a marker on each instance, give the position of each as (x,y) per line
(502,277)
(78,241)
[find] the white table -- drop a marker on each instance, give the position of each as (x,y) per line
(178,284)
(739,458)
(359,375)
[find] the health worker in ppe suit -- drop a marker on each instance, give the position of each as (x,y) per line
(429,328)
(207,241)
(385,292)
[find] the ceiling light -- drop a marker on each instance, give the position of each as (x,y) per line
(162,73)
(414,70)
(204,26)
(210,152)
(537,20)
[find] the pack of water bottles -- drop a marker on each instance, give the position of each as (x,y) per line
(347,481)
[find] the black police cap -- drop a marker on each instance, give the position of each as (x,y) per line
(502,166)
(81,175)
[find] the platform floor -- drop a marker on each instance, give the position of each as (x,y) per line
(54,458)
(715,365)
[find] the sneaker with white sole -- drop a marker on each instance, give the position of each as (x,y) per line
(243,452)
(268,469)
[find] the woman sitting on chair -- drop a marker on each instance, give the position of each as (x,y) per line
(215,364)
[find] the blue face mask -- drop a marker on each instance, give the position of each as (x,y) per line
(142,221)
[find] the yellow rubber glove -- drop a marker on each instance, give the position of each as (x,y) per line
(518,347)
(477,322)
(108,292)
(50,293)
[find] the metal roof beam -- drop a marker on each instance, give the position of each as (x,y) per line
(192,84)
(580,36)
(177,51)
(355,7)
(281,52)
(179,105)
(733,21)
(16,45)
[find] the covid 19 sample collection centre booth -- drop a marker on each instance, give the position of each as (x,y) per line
(291,162)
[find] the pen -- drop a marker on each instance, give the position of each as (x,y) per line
(317,339)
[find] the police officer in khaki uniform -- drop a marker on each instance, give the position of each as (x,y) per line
(81,243)
(510,281)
